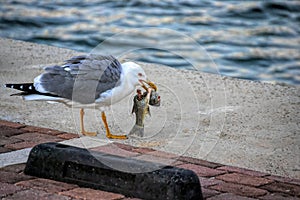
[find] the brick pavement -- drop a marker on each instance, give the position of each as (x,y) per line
(218,181)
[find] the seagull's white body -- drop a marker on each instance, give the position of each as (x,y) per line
(127,85)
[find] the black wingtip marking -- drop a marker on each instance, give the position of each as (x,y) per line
(25,87)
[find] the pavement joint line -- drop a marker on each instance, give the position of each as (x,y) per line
(14,157)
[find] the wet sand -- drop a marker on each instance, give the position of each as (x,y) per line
(230,121)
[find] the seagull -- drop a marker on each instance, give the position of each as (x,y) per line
(86,81)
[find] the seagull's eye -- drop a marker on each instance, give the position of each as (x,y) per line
(140,74)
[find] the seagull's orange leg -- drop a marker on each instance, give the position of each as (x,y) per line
(82,125)
(108,134)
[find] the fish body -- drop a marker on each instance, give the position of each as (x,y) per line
(141,109)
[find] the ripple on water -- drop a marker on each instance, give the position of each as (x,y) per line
(257,40)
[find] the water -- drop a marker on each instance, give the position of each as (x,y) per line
(256,40)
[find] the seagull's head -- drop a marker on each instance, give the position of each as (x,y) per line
(136,75)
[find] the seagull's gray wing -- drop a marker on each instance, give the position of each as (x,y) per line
(82,78)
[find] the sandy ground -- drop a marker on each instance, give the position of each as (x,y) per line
(225,120)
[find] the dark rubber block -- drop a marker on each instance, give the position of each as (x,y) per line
(91,169)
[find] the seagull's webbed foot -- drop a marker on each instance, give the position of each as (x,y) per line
(108,134)
(120,137)
(86,133)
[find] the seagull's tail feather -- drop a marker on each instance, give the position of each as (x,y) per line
(30,93)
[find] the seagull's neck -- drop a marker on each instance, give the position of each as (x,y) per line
(126,82)
(125,88)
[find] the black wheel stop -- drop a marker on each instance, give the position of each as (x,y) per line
(140,179)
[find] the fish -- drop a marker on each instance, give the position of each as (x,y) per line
(141,103)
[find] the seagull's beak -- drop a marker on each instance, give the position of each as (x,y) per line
(149,83)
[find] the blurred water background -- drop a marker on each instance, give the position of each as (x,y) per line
(256,40)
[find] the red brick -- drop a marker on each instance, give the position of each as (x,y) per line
(229,196)
(176,163)
(278,196)
(7,189)
(4,150)
(206,193)
(114,150)
(141,150)
(46,185)
(199,162)
(68,136)
(18,168)
(206,182)
(156,159)
(8,140)
(21,145)
(35,195)
(46,131)
(11,124)
(239,189)
(36,137)
(86,193)
(163,154)
(242,171)
(284,179)
(11,177)
(244,179)
(8,131)
(32,139)
(202,171)
(280,187)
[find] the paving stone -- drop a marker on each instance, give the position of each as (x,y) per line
(229,196)
(35,195)
(46,185)
(279,187)
(244,179)
(11,177)
(284,179)
(8,140)
(7,189)
(199,162)
(278,196)
(202,171)
(206,182)
(11,124)
(86,193)
(67,136)
(239,189)
(209,193)
(42,130)
(114,150)
(14,168)
(242,171)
